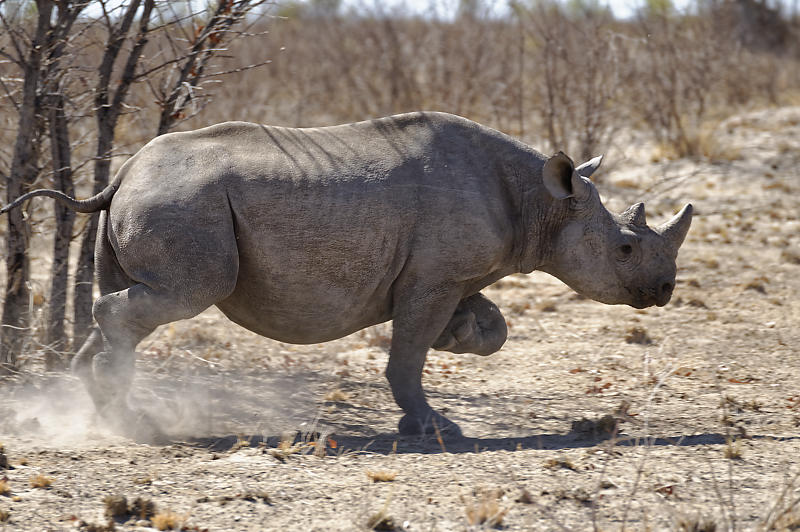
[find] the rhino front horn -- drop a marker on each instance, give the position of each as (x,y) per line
(675,230)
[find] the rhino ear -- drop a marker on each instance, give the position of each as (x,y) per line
(557,176)
(589,167)
(561,179)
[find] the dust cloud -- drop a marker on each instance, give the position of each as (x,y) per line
(55,410)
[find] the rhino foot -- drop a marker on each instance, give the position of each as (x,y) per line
(414,425)
(477,326)
(134,424)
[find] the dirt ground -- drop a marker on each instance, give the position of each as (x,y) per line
(704,394)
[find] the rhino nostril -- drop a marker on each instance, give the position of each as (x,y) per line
(666,288)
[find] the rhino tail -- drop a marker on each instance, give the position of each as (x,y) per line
(98,202)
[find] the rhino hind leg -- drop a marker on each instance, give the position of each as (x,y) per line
(127,311)
(477,326)
(125,318)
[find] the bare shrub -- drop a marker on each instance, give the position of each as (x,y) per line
(575,56)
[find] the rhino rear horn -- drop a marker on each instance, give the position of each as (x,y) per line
(675,230)
(561,179)
(634,215)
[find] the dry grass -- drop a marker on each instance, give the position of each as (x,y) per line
(695,523)
(791,256)
(381,475)
(602,427)
(733,449)
(255,496)
(41,481)
(86,526)
(169,520)
(286,448)
(381,521)
(789,521)
(242,442)
(378,337)
(485,509)
(337,396)
(561,462)
(116,507)
(638,335)
(4,516)
(142,508)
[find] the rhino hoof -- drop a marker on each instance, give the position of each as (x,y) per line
(412,426)
(134,424)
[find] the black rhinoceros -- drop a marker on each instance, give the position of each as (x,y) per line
(307,235)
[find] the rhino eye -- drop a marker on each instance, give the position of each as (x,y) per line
(626,249)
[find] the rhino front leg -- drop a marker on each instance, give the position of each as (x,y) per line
(477,326)
(416,324)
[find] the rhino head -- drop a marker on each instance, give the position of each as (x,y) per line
(611,258)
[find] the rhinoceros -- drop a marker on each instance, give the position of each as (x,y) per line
(307,235)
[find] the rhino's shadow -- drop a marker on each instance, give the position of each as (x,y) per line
(365,427)
(390,443)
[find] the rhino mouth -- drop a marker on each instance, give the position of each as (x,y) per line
(649,297)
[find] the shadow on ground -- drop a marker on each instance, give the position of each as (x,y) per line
(389,443)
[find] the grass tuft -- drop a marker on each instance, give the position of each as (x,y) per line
(603,427)
(787,521)
(337,396)
(733,449)
(256,496)
(695,524)
(638,335)
(381,521)
(485,509)
(561,462)
(4,463)
(116,507)
(169,520)
(486,512)
(41,481)
(286,449)
(143,508)
(381,476)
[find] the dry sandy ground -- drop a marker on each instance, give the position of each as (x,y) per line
(267,436)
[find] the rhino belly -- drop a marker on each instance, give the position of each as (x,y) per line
(315,292)
(319,315)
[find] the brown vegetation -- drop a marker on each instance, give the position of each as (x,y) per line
(41,481)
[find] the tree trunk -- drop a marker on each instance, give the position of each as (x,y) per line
(65,218)
(24,169)
(84,277)
(82,291)
(107,110)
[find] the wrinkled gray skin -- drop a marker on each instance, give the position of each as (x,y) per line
(307,235)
